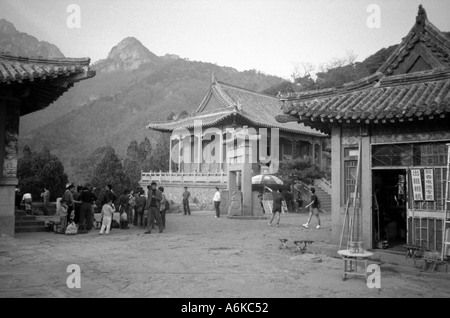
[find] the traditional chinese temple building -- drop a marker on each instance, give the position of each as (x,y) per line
(27,85)
(400,117)
(200,166)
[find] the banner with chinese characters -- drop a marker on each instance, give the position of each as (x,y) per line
(429,184)
(416,185)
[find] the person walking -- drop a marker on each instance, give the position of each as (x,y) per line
(277,198)
(153,209)
(186,196)
(87,199)
(46,198)
(314,209)
(139,208)
(163,206)
(216,201)
(107,215)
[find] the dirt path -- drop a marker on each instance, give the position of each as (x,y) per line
(198,256)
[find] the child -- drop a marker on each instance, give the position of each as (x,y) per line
(124,220)
(62,211)
(314,209)
(107,215)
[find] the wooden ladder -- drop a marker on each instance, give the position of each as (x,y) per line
(446,221)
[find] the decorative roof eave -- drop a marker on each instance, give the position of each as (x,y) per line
(169,126)
(324,124)
(18,69)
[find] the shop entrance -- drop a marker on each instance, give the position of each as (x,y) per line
(389,208)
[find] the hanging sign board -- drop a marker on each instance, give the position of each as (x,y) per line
(429,184)
(416,185)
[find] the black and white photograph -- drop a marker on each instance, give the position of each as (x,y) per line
(225,153)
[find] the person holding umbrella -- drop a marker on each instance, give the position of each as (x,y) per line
(277,198)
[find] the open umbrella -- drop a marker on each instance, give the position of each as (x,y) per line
(266,179)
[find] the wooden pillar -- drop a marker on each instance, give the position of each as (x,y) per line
(337,210)
(313,151)
(321,154)
(246,188)
(170,155)
(179,153)
(221,162)
(366,192)
(199,152)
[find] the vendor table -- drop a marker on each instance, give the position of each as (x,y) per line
(354,258)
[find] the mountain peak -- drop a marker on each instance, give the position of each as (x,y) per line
(7,27)
(19,43)
(128,54)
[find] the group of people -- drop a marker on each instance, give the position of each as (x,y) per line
(78,205)
(314,206)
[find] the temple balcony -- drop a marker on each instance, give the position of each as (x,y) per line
(214,178)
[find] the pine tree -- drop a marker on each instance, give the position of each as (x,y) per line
(36,170)
(110,171)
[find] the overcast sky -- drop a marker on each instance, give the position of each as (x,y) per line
(268,35)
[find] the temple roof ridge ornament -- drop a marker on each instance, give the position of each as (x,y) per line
(421,20)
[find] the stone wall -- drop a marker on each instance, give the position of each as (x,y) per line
(201,196)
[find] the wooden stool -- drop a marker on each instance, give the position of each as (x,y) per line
(411,250)
(283,243)
(304,242)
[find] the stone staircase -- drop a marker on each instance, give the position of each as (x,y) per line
(324,197)
(28,223)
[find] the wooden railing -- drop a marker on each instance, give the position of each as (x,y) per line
(324,184)
(184,177)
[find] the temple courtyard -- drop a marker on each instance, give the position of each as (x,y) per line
(197,256)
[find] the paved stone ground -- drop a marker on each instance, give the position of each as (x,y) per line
(197,256)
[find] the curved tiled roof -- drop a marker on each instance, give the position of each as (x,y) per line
(18,69)
(395,93)
(396,98)
(43,80)
(239,105)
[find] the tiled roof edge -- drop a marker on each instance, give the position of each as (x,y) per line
(85,61)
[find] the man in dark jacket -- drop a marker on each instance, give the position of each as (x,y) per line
(86,218)
(153,204)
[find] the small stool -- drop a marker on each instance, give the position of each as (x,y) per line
(304,242)
(283,243)
(411,250)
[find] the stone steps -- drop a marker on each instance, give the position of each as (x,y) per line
(325,199)
(28,223)
(26,229)
(21,223)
